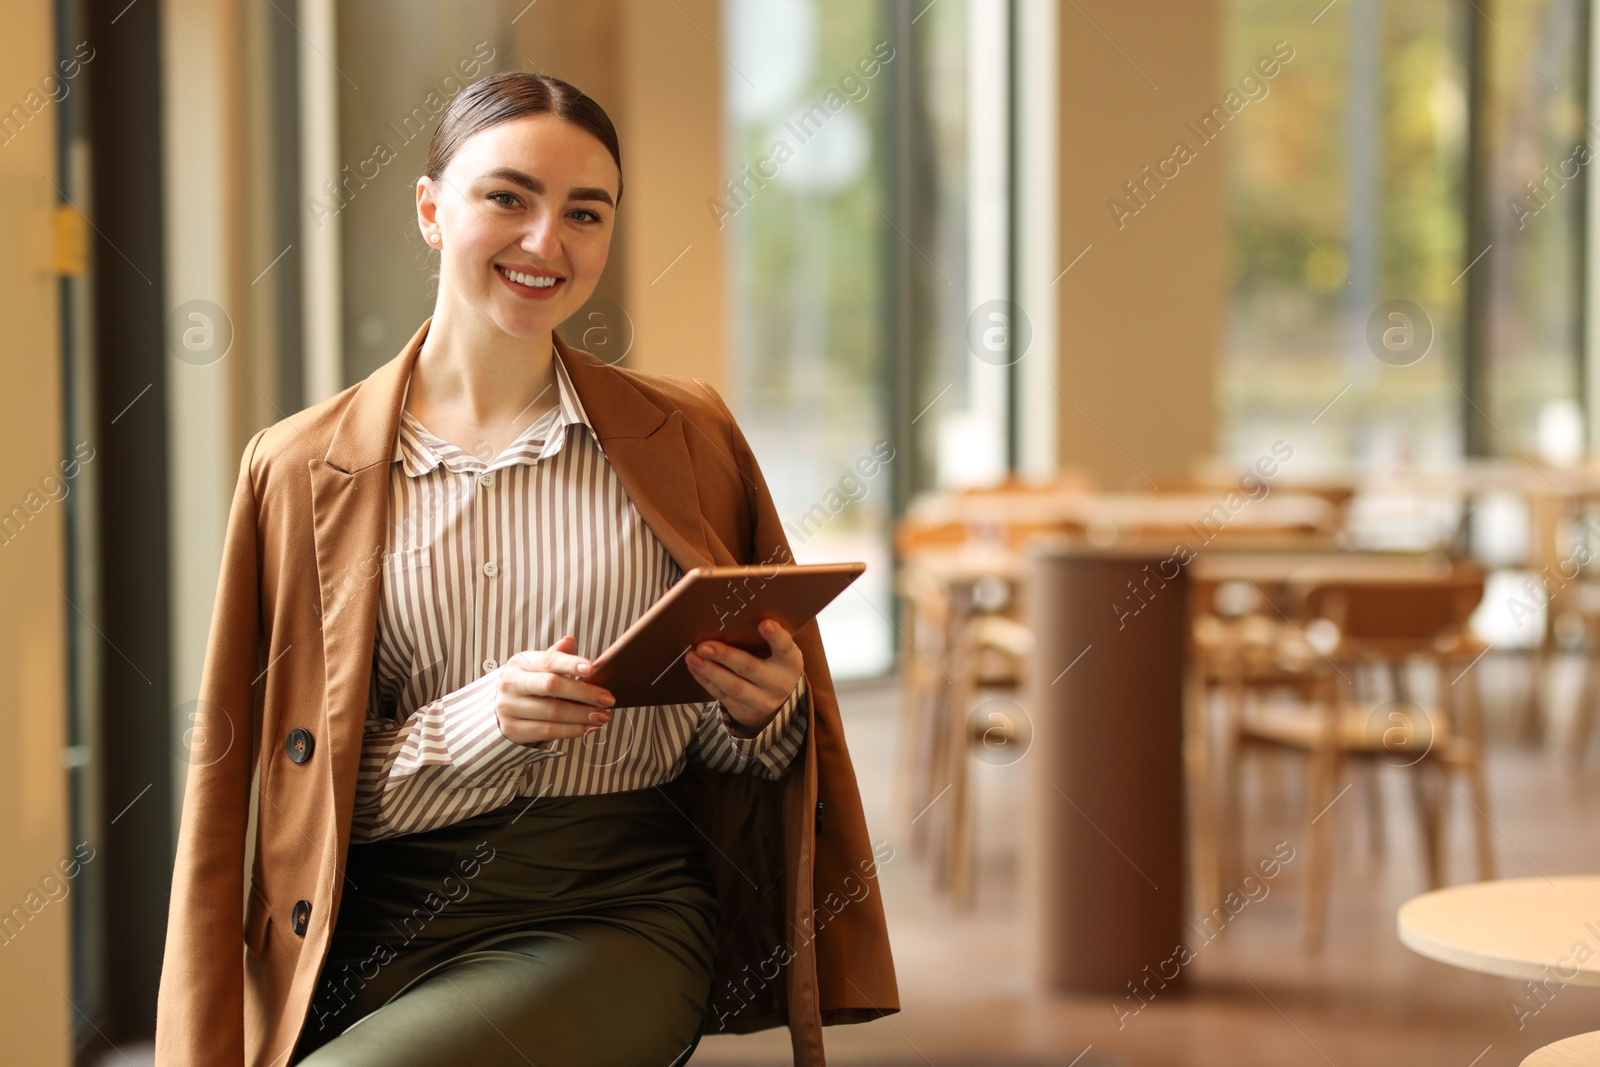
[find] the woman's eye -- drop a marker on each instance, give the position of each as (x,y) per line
(504,203)
(585,211)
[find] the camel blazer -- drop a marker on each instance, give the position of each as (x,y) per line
(283,695)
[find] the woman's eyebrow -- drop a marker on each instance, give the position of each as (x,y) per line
(534,185)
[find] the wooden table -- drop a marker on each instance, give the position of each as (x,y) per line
(973,562)
(1580,1051)
(1533,928)
(1197,518)
(1284,568)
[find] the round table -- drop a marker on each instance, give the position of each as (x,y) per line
(1534,928)
(1580,1051)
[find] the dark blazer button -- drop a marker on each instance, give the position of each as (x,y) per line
(818,824)
(301,916)
(299,745)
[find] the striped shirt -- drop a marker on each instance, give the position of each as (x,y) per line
(485,560)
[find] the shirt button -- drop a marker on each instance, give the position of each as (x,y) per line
(489,665)
(486,479)
(300,917)
(491,569)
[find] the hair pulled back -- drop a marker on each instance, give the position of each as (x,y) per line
(512,94)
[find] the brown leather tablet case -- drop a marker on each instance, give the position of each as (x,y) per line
(646,666)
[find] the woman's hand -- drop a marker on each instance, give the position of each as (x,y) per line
(751,688)
(542,699)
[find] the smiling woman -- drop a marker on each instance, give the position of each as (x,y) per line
(517,199)
(479,509)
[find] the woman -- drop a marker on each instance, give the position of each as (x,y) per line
(462,856)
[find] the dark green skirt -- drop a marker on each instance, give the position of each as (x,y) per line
(553,931)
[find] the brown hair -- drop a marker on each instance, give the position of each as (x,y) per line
(512,94)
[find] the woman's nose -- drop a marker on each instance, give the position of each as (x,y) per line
(540,238)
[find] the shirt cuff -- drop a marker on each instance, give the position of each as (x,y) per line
(472,737)
(763,743)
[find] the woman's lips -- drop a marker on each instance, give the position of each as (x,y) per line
(529,292)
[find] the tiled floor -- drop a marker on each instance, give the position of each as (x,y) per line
(1256,998)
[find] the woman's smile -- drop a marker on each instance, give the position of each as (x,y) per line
(530,284)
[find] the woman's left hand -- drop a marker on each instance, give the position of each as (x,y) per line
(751,688)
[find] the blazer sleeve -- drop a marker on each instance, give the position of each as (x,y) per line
(200,1001)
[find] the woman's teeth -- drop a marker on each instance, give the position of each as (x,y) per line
(533,280)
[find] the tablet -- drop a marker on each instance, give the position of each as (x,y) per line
(646,664)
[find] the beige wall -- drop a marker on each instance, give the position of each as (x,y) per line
(670,124)
(1141,312)
(35,1018)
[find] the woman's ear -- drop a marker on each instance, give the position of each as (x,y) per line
(428,211)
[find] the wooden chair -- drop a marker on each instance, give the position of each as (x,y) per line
(938,600)
(950,648)
(1565,557)
(1239,648)
(990,653)
(924,681)
(956,552)
(1387,626)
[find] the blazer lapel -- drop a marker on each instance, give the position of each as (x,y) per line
(645,445)
(647,448)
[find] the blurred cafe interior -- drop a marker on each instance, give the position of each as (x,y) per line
(1212,389)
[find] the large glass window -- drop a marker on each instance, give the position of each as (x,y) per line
(1345,193)
(804,218)
(867,218)
(1353,248)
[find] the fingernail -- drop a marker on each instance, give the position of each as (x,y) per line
(601,717)
(586,667)
(608,700)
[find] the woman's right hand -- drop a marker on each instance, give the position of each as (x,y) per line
(542,697)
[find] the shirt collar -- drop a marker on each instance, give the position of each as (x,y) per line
(419,451)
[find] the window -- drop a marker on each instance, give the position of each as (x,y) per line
(803,214)
(868,220)
(1372,315)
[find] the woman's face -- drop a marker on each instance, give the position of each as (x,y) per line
(533,197)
